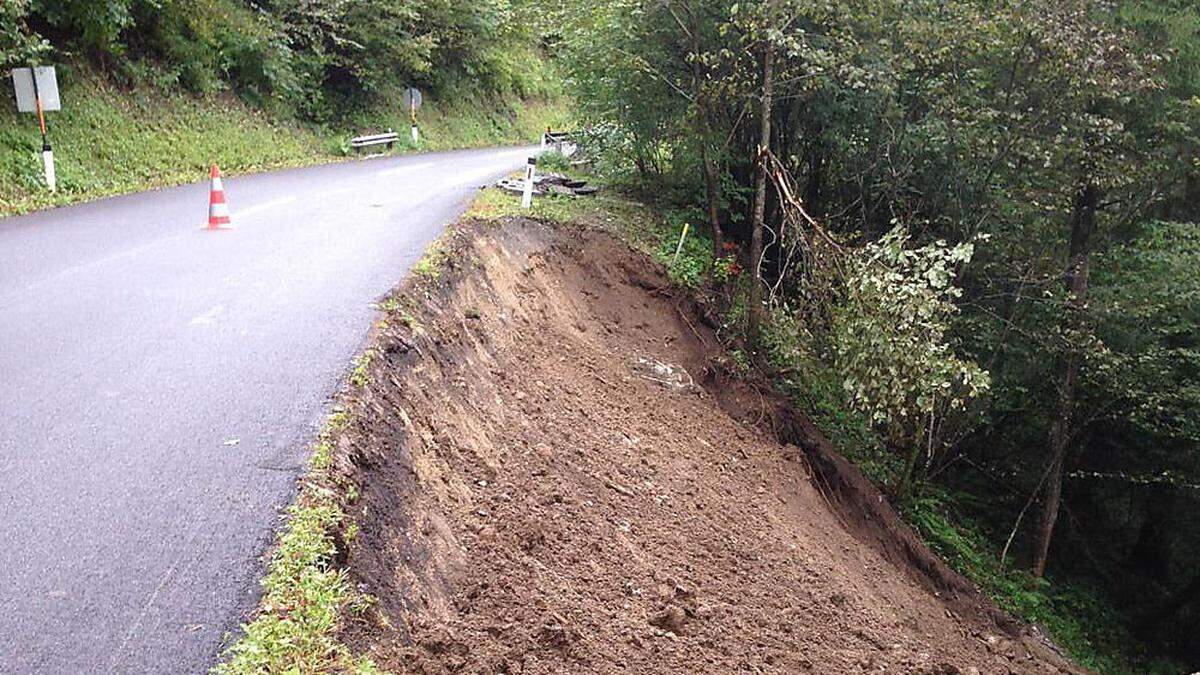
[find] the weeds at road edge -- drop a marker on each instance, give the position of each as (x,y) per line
(431,264)
(299,618)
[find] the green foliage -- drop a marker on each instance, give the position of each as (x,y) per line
(96,25)
(554,162)
(891,342)
(954,119)
(315,58)
(112,140)
(1147,303)
(694,265)
(18,44)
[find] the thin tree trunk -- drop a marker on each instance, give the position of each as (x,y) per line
(755,309)
(1083,226)
(713,194)
(703,112)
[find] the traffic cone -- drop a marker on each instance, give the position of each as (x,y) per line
(218,210)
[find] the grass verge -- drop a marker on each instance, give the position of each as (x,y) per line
(112,140)
(305,595)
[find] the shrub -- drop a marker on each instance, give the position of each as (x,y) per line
(892,346)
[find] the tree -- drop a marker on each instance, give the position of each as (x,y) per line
(893,346)
(755,309)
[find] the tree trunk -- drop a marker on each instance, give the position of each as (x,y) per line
(1083,226)
(711,187)
(713,194)
(754,311)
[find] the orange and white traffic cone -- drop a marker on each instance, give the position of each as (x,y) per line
(218,210)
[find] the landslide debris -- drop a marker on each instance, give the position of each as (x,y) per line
(551,475)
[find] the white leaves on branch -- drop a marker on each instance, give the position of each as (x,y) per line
(891,335)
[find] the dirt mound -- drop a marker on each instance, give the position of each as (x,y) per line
(547,481)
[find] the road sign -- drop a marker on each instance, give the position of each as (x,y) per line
(28,89)
(37,91)
(411,99)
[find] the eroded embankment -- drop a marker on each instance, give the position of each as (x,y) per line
(550,476)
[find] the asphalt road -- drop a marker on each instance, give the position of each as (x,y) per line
(160,386)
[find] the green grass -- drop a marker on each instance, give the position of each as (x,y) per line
(296,630)
(360,375)
(110,140)
(607,209)
(434,261)
(305,596)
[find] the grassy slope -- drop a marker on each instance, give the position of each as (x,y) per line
(109,140)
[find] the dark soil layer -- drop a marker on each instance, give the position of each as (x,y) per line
(552,477)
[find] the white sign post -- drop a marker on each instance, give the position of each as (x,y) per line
(411,99)
(527,195)
(37,92)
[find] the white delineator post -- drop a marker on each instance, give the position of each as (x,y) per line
(527,196)
(47,151)
(412,113)
(48,163)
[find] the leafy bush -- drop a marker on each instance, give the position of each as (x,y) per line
(313,57)
(18,44)
(892,347)
(694,264)
(553,161)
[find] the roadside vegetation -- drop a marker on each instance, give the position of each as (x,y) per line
(961,235)
(305,595)
(154,92)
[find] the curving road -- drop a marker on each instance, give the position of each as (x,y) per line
(159,385)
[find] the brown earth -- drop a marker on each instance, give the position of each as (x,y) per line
(553,476)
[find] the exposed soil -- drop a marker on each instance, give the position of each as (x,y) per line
(553,476)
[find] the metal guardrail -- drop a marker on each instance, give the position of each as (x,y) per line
(561,141)
(389,139)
